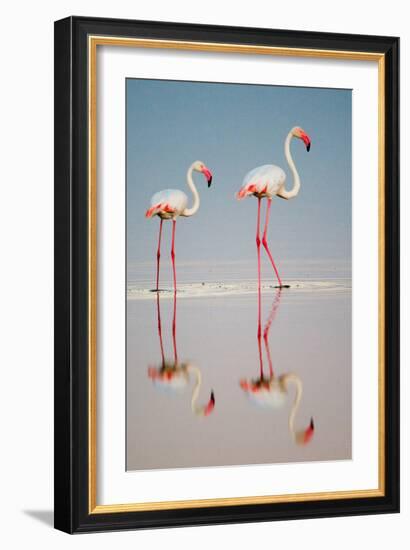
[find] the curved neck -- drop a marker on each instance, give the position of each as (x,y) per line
(296,180)
(293,378)
(195,391)
(191,185)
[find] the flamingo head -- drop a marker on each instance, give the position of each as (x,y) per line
(301,134)
(205,410)
(304,436)
(199,166)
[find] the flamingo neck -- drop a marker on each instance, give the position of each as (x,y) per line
(195,392)
(190,182)
(298,383)
(296,180)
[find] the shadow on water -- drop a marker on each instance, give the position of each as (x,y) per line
(270,391)
(175,376)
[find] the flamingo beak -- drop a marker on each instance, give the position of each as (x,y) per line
(208,174)
(211,405)
(306,140)
(309,432)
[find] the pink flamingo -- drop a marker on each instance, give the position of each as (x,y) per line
(175,376)
(265,182)
(272,392)
(169,204)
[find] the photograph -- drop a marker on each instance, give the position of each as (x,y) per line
(239,274)
(227,282)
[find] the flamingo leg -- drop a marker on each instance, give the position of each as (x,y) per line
(174,329)
(266,330)
(265,243)
(258,248)
(260,355)
(160,331)
(272,314)
(173,254)
(265,338)
(159,252)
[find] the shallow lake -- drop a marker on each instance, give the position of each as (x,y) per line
(208,343)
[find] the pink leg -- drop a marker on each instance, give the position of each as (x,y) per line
(173,254)
(269,322)
(260,355)
(160,331)
(174,329)
(265,242)
(159,251)
(258,248)
(272,314)
(265,337)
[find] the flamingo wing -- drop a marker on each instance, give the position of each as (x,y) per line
(265,180)
(270,399)
(170,201)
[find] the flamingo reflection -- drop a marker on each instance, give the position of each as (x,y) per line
(175,376)
(270,391)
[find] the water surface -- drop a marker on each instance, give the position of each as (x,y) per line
(210,342)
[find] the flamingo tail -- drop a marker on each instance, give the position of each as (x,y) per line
(153,210)
(245,192)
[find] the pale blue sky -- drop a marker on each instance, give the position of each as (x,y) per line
(233,128)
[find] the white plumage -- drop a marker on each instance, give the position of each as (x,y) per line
(169,204)
(266,181)
(272,397)
(176,200)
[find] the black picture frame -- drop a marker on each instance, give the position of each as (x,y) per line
(71,481)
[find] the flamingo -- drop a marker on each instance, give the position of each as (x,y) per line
(175,376)
(267,181)
(169,204)
(272,392)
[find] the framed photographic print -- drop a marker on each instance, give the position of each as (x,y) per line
(226,274)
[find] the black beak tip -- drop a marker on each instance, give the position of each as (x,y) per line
(209,182)
(312,425)
(308,147)
(212,396)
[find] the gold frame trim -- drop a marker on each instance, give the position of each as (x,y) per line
(93,42)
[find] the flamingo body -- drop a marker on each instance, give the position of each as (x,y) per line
(175,380)
(273,392)
(168,204)
(172,379)
(264,181)
(267,181)
(270,395)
